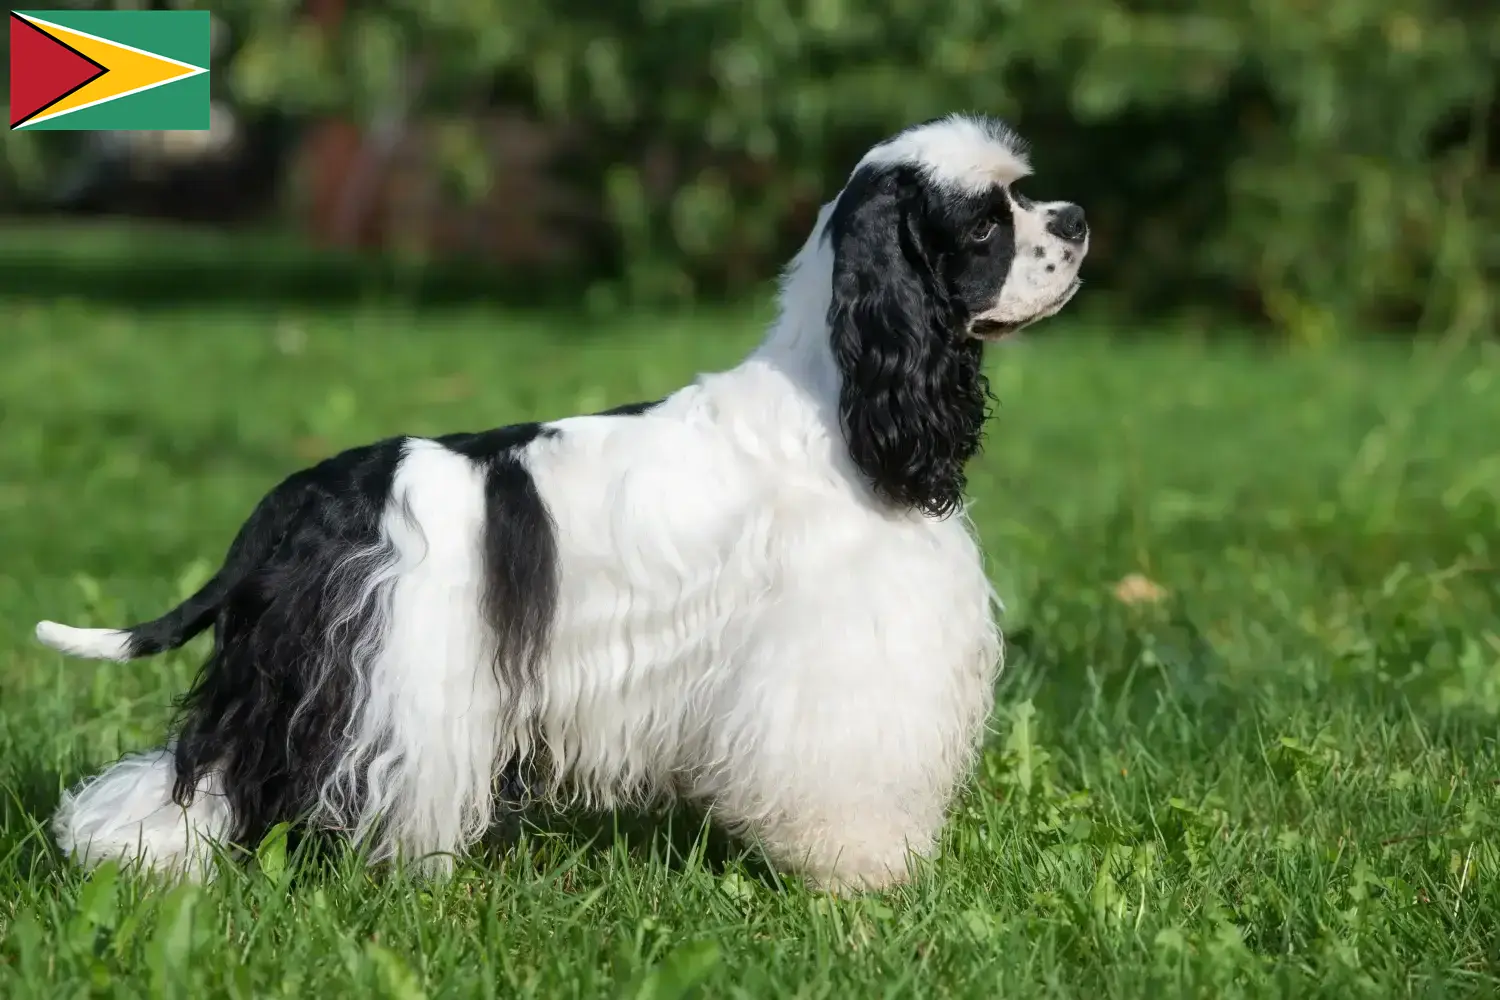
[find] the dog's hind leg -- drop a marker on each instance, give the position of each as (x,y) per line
(270,703)
(371,675)
(127,813)
(142,807)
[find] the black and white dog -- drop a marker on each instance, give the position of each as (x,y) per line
(760,593)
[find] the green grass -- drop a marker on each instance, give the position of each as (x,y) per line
(1280,779)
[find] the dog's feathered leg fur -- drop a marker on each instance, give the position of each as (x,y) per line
(378,626)
(134,808)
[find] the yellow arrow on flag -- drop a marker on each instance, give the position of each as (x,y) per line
(130,70)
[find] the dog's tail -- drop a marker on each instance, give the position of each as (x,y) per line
(261,535)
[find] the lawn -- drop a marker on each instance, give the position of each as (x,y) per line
(1268,767)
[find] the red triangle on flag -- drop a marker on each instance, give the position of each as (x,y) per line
(43,70)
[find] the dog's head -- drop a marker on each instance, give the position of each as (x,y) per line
(935,252)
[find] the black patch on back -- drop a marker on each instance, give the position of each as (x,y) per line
(483,446)
(520,551)
(630,409)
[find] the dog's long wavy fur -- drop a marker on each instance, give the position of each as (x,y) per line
(760,593)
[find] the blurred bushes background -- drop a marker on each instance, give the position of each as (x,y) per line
(1320,164)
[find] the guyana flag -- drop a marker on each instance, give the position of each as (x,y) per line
(114,69)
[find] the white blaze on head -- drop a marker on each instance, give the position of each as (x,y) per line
(966,154)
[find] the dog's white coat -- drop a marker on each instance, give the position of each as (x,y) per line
(126,813)
(424,743)
(739,623)
(959,153)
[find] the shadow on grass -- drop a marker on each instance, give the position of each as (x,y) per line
(678,838)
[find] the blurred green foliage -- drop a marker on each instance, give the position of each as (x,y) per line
(1321,163)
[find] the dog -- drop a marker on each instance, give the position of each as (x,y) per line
(761,594)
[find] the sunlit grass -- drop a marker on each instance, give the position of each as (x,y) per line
(1274,772)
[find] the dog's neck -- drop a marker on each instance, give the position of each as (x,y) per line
(797,348)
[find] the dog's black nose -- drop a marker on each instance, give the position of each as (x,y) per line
(1067,223)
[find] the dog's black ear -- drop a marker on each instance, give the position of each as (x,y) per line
(913,398)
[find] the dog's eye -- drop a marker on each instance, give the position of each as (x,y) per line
(983,231)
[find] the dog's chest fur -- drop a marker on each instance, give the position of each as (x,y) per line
(690,578)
